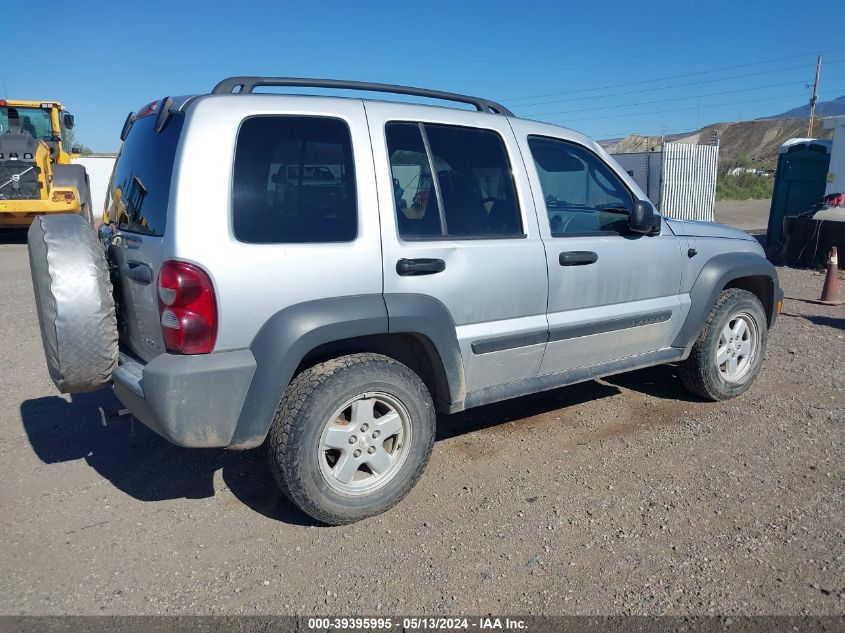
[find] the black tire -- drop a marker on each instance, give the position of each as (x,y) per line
(73,299)
(307,408)
(700,372)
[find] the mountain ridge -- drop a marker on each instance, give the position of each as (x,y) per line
(754,142)
(832,107)
(740,143)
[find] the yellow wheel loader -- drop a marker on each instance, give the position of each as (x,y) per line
(36,174)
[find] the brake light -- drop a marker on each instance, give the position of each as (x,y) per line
(150,108)
(188,308)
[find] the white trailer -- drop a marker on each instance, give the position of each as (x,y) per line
(836,171)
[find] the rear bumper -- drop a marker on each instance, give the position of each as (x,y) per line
(191,401)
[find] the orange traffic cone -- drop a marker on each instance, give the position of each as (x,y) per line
(830,291)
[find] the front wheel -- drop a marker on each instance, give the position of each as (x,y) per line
(729,351)
(351,437)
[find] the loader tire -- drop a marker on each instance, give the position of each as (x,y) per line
(73,298)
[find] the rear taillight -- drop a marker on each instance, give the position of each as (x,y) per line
(187,307)
(150,108)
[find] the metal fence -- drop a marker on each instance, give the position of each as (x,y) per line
(646,168)
(688,190)
(680,180)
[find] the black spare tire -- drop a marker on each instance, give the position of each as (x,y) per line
(73,297)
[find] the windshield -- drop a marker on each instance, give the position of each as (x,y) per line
(35,121)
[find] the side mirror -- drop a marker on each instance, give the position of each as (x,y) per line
(69,120)
(644,219)
(75,150)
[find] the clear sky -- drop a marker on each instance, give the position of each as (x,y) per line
(713,60)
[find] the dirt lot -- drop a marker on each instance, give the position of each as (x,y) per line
(749,215)
(618,496)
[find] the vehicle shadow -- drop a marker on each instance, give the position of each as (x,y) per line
(818,319)
(148,468)
(144,465)
(490,415)
(660,381)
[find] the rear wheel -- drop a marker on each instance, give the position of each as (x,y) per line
(729,351)
(351,437)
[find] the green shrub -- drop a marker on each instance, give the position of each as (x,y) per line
(744,187)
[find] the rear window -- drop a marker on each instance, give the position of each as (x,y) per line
(140,184)
(294,181)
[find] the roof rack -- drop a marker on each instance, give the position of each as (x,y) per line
(246,85)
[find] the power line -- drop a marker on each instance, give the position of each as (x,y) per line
(671,86)
(715,105)
(613,135)
(639,103)
(604,136)
(620,134)
(680,76)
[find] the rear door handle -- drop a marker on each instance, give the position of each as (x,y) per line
(423,266)
(140,272)
(578,258)
(127,240)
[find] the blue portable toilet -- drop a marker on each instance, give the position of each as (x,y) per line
(800,181)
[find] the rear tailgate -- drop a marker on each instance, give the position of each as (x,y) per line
(137,204)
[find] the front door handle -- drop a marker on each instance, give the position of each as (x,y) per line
(423,266)
(578,258)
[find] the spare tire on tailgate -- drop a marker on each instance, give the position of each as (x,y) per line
(73,297)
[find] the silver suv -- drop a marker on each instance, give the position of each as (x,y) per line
(323,275)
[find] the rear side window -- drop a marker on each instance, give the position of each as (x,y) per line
(451,182)
(140,184)
(294,181)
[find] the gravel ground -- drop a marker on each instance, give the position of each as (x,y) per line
(617,496)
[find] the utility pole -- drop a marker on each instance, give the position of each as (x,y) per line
(815,96)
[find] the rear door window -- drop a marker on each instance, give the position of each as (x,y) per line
(417,211)
(451,182)
(294,181)
(140,185)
